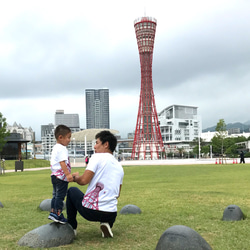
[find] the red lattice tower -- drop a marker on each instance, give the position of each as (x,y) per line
(147,140)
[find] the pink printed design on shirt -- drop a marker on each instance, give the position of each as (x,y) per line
(90,200)
(60,174)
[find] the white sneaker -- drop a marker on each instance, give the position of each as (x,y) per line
(75,232)
(106,230)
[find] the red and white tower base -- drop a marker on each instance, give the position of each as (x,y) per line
(147,140)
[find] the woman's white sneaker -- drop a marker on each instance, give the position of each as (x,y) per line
(106,230)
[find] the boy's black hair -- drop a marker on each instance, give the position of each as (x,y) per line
(62,130)
(107,136)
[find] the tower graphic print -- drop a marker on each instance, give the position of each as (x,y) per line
(91,199)
(147,140)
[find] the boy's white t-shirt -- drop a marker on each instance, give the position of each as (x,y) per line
(59,153)
(104,188)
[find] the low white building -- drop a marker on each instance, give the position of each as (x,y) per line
(179,126)
(27,133)
(245,146)
(207,136)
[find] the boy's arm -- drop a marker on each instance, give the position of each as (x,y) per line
(66,171)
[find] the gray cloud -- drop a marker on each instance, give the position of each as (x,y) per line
(201,58)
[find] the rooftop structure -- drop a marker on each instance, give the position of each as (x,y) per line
(70,120)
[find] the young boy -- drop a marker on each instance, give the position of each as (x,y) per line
(61,172)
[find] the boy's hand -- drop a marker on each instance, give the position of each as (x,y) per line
(75,174)
(69,177)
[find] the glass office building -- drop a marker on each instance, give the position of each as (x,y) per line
(97,108)
(70,120)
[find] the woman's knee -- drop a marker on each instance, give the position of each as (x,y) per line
(71,190)
(75,193)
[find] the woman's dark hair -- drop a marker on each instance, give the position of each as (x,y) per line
(107,136)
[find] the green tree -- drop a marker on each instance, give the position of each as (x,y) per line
(195,142)
(221,133)
(3,131)
(181,152)
(195,151)
(216,144)
(195,145)
(229,145)
(232,150)
(205,150)
(220,136)
(240,139)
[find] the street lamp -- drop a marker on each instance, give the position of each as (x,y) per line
(199,145)
(199,141)
(74,151)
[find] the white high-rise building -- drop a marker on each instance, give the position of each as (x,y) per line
(97,108)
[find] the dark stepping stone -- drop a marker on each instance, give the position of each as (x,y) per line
(130,209)
(181,238)
(49,235)
(233,213)
(45,205)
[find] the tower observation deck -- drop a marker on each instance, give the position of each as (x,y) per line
(147,140)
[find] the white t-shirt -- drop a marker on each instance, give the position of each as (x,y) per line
(103,189)
(59,153)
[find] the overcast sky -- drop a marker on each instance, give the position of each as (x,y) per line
(51,51)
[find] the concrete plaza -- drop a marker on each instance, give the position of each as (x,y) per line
(79,162)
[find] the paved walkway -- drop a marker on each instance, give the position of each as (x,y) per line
(151,162)
(180,161)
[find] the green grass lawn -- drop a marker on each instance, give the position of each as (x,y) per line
(192,195)
(32,163)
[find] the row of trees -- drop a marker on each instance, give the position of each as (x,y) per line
(3,131)
(220,143)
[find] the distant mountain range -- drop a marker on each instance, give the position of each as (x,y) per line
(244,127)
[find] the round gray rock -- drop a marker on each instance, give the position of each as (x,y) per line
(233,213)
(181,238)
(1,205)
(45,205)
(130,209)
(49,235)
